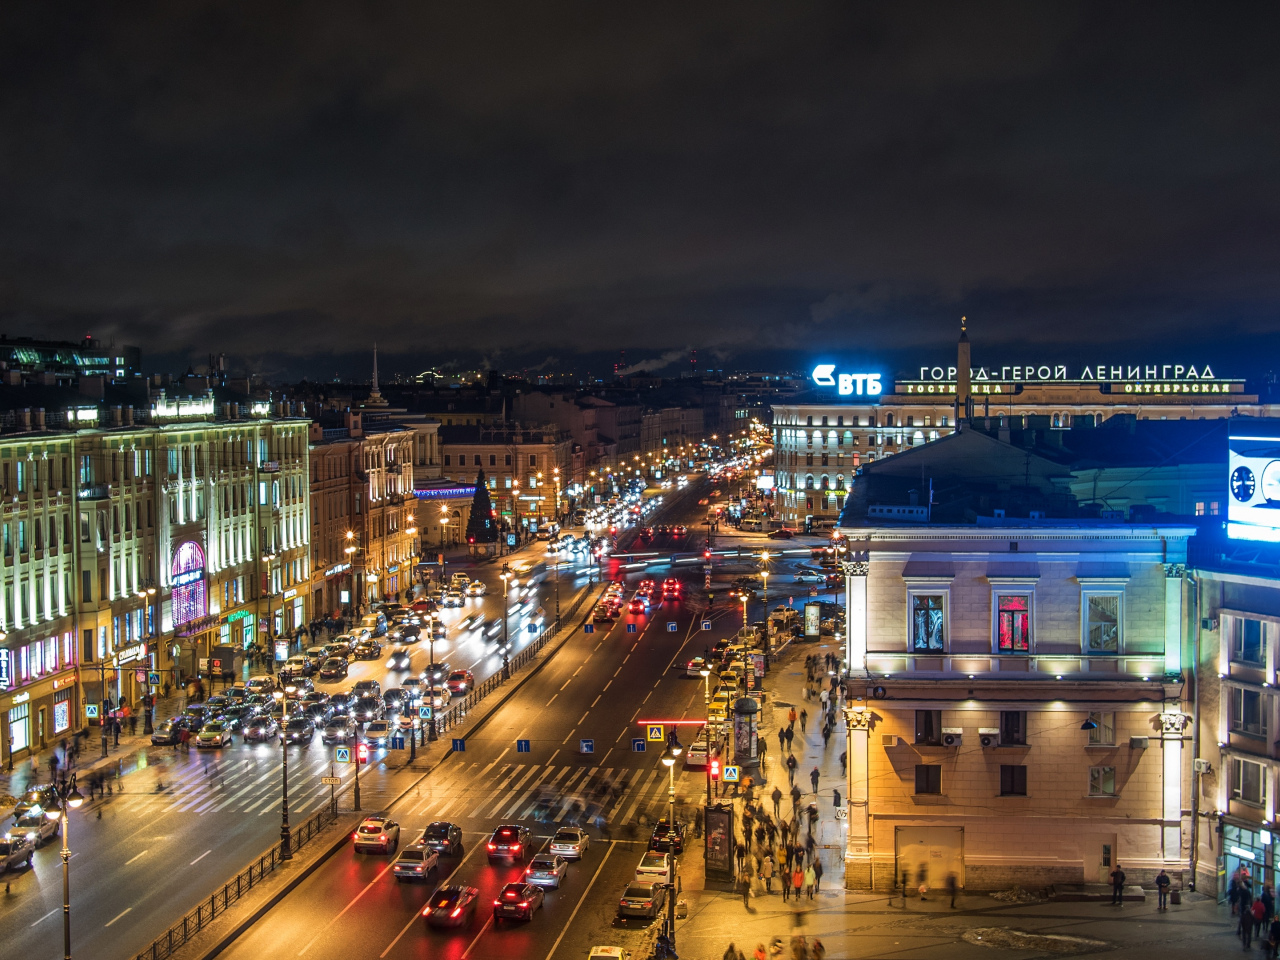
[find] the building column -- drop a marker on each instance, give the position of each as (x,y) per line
(857,858)
(1172,725)
(855,588)
(1173,576)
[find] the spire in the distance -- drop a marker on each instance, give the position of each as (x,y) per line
(375,396)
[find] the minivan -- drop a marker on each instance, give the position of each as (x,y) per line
(375,623)
(367,688)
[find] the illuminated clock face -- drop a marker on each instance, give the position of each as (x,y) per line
(1242,484)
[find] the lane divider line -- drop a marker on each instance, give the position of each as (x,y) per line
(594,877)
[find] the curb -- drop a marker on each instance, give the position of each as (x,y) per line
(292,884)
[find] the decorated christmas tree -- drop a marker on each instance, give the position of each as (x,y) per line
(481,527)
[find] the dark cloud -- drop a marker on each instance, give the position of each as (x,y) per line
(289,182)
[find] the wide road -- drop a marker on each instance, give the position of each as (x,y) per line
(600,687)
(186,822)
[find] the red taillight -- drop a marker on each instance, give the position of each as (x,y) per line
(524,903)
(648,903)
(493,846)
(383,838)
(457,911)
(497,903)
(515,848)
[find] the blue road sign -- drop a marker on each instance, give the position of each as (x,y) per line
(706,624)
(153,679)
(522,746)
(91,711)
(586,746)
(397,743)
(671,626)
(588,628)
(424,713)
(459,745)
(342,755)
(631,628)
(731,774)
(637,745)
(533,628)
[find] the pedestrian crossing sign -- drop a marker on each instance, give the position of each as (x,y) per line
(342,755)
(671,626)
(656,733)
(588,628)
(631,628)
(91,711)
(731,774)
(153,679)
(706,624)
(424,713)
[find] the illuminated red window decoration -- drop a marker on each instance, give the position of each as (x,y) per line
(1014,624)
(187,580)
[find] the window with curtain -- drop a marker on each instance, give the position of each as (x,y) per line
(1013,623)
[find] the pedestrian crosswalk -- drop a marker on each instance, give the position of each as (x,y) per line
(209,784)
(551,793)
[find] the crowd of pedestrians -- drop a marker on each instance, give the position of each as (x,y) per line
(1254,906)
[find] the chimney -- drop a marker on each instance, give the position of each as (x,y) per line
(128,416)
(39,419)
(962,371)
(117,416)
(24,418)
(235,411)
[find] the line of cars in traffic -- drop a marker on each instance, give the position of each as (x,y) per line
(612,604)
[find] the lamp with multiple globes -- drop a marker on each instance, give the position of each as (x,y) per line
(669,757)
(286,848)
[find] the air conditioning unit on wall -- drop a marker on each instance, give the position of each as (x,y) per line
(1202,766)
(989,736)
(952,736)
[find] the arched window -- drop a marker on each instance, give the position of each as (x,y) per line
(840,481)
(808,482)
(888,419)
(826,481)
(187,580)
(1057,419)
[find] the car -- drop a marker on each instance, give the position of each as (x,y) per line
(299,730)
(667,837)
(697,753)
(415,862)
(236,694)
(810,576)
(637,605)
(317,654)
(374,623)
(395,699)
(459,579)
(367,650)
(261,684)
(451,906)
(546,870)
(296,667)
(399,660)
(215,705)
(367,688)
(261,729)
(694,667)
(517,901)
(317,713)
(412,687)
(342,703)
(15,851)
(298,688)
(679,530)
(570,842)
(339,729)
(316,696)
(34,827)
(340,647)
(236,718)
(460,682)
(196,716)
(452,598)
(509,842)
(604,613)
(443,837)
(609,953)
(476,588)
(215,733)
(169,732)
(378,732)
(643,899)
(376,833)
(437,672)
(368,708)
(703,502)
(437,695)
(654,865)
(409,633)
(782,533)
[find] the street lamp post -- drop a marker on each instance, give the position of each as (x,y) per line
(431,687)
(669,761)
(506,663)
(66,799)
(557,591)
(286,853)
(705,673)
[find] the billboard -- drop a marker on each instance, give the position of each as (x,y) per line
(812,620)
(1253,478)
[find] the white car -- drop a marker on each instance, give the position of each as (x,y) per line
(653,867)
(451,598)
(476,588)
(570,842)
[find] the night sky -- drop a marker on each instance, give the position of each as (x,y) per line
(536,186)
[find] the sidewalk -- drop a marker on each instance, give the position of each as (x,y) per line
(119,761)
(715,912)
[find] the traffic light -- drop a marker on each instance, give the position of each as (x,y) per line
(362,753)
(715,768)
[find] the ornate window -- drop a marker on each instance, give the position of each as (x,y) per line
(187,570)
(1013,623)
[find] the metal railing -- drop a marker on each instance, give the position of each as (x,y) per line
(458,711)
(239,886)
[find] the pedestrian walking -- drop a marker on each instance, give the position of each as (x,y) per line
(810,881)
(826,735)
(817,873)
(785,879)
(792,763)
(744,887)
(782,739)
(835,797)
(1259,912)
(797,881)
(804,719)
(795,797)
(1162,890)
(1273,938)
(777,800)
(760,835)
(844,763)
(740,852)
(790,734)
(952,887)
(1117,887)
(791,717)
(731,953)
(1244,929)
(813,778)
(922,881)
(766,872)
(817,950)
(763,745)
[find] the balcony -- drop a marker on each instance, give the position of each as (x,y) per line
(94,491)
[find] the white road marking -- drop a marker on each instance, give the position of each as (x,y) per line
(417,914)
(118,916)
(46,916)
(553,699)
(581,899)
(584,716)
(312,941)
(199,858)
(136,857)
(567,682)
(593,704)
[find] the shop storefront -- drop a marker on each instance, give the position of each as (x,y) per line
(1246,846)
(39,714)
